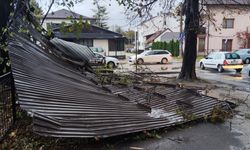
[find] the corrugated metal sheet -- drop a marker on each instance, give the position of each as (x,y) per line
(66,103)
(73,51)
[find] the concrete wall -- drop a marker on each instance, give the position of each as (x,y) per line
(241,18)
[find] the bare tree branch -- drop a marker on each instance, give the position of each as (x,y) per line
(50,6)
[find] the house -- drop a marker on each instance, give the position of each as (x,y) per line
(161,36)
(64,15)
(90,35)
(93,36)
(154,27)
(230,28)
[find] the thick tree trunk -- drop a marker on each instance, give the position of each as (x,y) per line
(4,18)
(191,30)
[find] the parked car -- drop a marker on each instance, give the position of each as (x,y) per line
(222,61)
(152,56)
(111,62)
(98,50)
(244,55)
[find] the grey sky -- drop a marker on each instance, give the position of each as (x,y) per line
(116,12)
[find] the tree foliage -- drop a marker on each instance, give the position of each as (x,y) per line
(101,15)
(172,46)
(35,8)
(130,35)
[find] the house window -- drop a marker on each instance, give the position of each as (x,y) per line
(227,44)
(87,42)
(228,23)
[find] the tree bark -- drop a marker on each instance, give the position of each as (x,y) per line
(4,19)
(191,31)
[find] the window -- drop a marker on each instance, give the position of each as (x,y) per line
(228,23)
(150,53)
(232,56)
(87,42)
(162,52)
(211,56)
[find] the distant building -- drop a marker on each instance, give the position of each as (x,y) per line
(155,26)
(91,35)
(64,15)
(230,29)
(161,36)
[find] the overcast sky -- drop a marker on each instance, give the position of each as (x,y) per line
(116,13)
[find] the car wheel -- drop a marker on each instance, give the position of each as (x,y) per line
(220,68)
(111,65)
(164,61)
(140,61)
(238,70)
(202,66)
(247,61)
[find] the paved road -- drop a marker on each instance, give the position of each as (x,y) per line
(228,77)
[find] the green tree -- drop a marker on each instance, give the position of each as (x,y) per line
(101,15)
(35,8)
(130,35)
(118,29)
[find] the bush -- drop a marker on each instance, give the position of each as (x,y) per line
(172,46)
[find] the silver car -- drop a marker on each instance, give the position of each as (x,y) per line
(244,55)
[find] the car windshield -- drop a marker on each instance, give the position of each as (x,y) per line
(232,56)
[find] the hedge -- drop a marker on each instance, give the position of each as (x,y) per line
(172,46)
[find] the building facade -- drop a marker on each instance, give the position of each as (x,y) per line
(229,29)
(91,35)
(155,25)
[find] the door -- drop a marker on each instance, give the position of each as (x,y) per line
(201,47)
(209,61)
(227,45)
(248,42)
(149,57)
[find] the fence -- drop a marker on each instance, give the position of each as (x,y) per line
(7,104)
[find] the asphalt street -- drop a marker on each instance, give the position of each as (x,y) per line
(227,77)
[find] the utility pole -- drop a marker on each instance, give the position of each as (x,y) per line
(136,49)
(208,26)
(181,31)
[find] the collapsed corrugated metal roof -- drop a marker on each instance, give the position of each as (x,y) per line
(72,51)
(66,103)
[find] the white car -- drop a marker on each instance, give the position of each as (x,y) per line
(152,56)
(222,61)
(111,62)
(98,50)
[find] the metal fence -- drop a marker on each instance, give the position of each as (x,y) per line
(7,103)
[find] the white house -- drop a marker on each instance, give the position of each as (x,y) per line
(64,15)
(92,36)
(230,29)
(155,25)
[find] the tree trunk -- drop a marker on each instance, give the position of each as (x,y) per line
(191,31)
(4,18)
